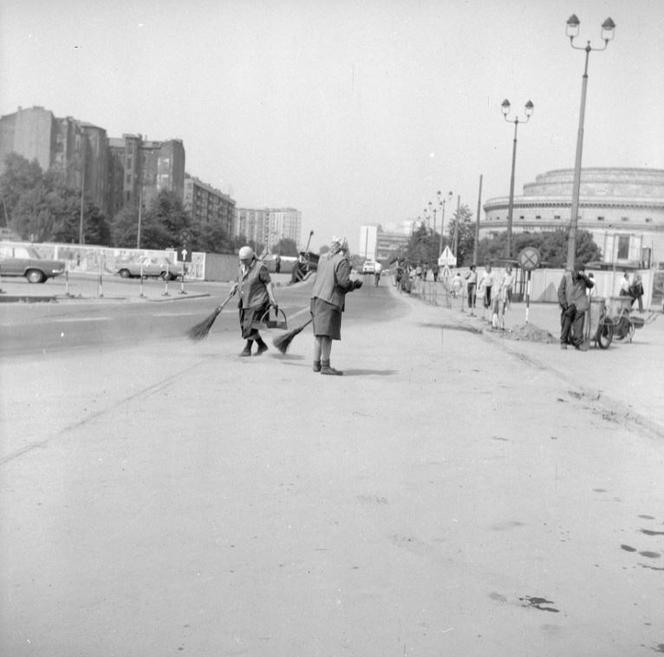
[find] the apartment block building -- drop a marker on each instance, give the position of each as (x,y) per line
(77,149)
(141,169)
(208,205)
(267,226)
(112,172)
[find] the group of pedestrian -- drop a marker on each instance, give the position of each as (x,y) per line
(633,289)
(256,300)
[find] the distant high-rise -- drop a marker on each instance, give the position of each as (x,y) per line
(267,226)
(208,205)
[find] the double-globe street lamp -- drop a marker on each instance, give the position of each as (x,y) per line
(572,30)
(529,107)
(442,200)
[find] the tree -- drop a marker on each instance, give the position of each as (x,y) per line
(285,247)
(552,246)
(423,245)
(18,177)
(462,228)
(211,238)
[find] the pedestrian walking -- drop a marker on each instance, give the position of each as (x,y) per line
(457,285)
(636,292)
(502,299)
(377,273)
(507,282)
(625,284)
(434,270)
(256,296)
(486,284)
(471,288)
(328,294)
(574,302)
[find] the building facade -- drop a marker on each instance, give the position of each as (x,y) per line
(141,169)
(384,243)
(208,205)
(623,209)
(267,226)
(111,172)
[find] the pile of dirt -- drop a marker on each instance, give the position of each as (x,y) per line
(530,333)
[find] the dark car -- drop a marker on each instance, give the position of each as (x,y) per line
(19,260)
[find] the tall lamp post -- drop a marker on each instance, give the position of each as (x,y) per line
(572,30)
(441,204)
(529,107)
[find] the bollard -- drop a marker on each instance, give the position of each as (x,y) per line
(168,275)
(182,280)
(141,295)
(100,282)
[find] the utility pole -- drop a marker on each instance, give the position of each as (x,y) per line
(477,222)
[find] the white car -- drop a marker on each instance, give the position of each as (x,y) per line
(369,267)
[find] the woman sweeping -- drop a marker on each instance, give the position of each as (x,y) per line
(327,302)
(256,297)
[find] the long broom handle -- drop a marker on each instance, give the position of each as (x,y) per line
(220,307)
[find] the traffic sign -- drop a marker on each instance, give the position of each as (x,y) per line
(447,258)
(529,258)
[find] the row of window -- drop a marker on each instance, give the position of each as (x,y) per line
(557,217)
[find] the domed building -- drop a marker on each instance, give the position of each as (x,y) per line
(623,208)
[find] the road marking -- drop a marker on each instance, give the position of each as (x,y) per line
(79,319)
(174,314)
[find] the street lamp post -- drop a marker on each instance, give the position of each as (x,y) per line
(572,30)
(441,203)
(510,208)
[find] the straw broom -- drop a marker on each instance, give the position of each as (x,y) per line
(283,341)
(201,330)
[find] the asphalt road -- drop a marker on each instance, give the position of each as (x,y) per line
(452,494)
(27,328)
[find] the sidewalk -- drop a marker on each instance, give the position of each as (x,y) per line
(625,379)
(450,494)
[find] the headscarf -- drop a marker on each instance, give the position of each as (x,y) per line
(338,244)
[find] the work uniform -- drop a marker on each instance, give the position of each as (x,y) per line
(573,302)
(254,300)
(328,294)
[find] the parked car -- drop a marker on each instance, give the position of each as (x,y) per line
(369,267)
(151,266)
(20,260)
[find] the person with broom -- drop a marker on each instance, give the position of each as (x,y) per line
(329,290)
(256,296)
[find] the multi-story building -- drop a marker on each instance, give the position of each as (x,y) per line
(208,205)
(112,172)
(267,226)
(285,223)
(77,149)
(142,169)
(623,209)
(384,243)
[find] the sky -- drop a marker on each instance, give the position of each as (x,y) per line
(353,112)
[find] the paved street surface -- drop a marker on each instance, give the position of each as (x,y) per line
(457,492)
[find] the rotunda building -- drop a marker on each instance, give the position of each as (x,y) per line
(623,209)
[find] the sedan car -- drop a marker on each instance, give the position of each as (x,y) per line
(149,266)
(369,267)
(19,260)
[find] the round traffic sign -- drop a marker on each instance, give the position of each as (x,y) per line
(529,258)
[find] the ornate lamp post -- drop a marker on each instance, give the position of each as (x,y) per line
(441,204)
(572,30)
(529,107)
